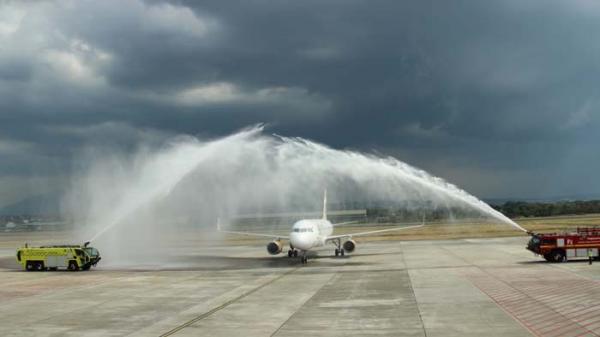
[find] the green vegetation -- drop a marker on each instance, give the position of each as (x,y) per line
(515,209)
(398,214)
(512,209)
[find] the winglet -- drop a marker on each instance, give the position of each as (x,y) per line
(325,204)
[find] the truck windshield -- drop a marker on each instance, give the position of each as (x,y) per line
(79,252)
(92,251)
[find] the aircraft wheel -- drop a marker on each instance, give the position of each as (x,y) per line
(295,253)
(342,252)
(337,252)
(290,253)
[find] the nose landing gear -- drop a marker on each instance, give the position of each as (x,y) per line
(339,250)
(293,252)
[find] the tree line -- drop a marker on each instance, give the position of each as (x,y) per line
(512,209)
(515,209)
(398,214)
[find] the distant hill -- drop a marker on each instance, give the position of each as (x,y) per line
(45,204)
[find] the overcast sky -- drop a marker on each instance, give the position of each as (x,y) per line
(499,97)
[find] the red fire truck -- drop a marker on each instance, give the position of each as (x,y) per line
(558,247)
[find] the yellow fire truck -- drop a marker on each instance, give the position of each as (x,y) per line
(70,257)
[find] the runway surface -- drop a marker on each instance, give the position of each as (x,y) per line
(468,287)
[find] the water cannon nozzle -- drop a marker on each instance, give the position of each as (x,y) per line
(85,244)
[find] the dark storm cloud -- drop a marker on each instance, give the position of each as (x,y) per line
(503,90)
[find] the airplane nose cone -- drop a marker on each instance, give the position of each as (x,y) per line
(300,241)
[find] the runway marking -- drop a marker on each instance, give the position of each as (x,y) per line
(546,300)
(412,289)
(549,303)
(333,275)
(226,304)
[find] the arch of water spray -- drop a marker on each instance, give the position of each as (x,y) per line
(248,170)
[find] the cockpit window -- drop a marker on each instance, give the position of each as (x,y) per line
(303,230)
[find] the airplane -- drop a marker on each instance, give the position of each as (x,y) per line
(308,234)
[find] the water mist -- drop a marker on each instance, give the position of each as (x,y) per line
(131,203)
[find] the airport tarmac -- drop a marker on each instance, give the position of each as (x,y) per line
(466,287)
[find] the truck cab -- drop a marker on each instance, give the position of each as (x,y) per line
(538,240)
(534,243)
(93,254)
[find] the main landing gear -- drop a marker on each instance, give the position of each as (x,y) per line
(304,259)
(338,250)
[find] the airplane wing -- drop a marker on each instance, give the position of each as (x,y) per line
(335,237)
(250,233)
(257,234)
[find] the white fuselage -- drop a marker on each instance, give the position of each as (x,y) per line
(310,233)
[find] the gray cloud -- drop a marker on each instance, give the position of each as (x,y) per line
(502,90)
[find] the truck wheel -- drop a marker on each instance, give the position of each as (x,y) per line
(86,267)
(37,265)
(558,256)
(29,266)
(548,257)
(73,266)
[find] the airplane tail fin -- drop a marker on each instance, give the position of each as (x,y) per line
(325,204)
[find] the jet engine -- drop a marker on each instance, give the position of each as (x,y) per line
(349,246)
(275,247)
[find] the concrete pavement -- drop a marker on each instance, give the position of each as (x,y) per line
(467,287)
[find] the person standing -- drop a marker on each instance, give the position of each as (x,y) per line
(590,255)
